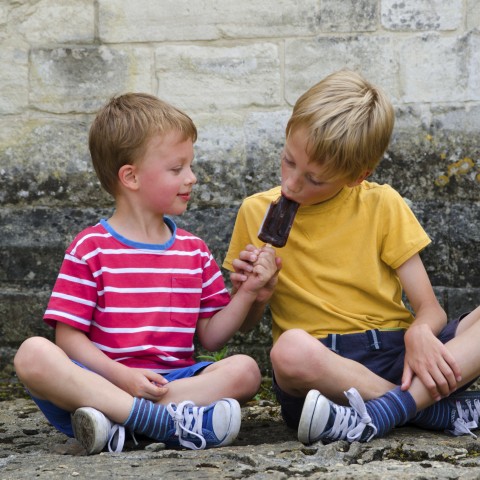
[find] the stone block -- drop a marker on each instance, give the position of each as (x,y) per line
(219,161)
(21,316)
(435,164)
(14,89)
(472,15)
(473,66)
(434,218)
(358,16)
(160,21)
(265,138)
(461,300)
(408,15)
(464,238)
(81,79)
(424,78)
(309,61)
(45,161)
(212,78)
(50,21)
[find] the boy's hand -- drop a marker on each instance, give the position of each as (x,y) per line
(142,383)
(243,266)
(257,270)
(428,358)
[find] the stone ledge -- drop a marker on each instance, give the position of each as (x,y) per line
(264,449)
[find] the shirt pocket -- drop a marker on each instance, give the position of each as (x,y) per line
(185,300)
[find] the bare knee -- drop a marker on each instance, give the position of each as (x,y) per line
(31,357)
(298,360)
(245,375)
(291,352)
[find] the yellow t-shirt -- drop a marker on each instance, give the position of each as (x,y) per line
(339,263)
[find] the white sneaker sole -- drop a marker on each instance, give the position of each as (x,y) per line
(315,413)
(91,429)
(234,414)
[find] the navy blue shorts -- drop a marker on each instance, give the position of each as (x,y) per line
(381,351)
(61,419)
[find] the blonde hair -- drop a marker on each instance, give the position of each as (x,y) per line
(122,128)
(349,123)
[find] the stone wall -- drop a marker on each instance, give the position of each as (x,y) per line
(236,68)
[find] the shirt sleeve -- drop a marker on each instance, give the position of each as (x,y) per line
(74,295)
(402,234)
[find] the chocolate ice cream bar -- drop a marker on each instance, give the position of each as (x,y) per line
(278,221)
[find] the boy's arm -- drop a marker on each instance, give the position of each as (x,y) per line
(215,331)
(137,382)
(426,356)
(243,266)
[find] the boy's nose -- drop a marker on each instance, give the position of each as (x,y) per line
(192,179)
(293,184)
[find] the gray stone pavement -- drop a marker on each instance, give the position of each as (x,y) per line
(265,449)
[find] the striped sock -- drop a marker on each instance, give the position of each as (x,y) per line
(150,419)
(434,417)
(390,410)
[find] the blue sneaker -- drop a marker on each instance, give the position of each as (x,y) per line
(324,420)
(465,413)
(196,428)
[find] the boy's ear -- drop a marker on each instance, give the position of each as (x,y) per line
(127,177)
(360,179)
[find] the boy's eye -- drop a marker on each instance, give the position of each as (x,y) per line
(287,161)
(314,182)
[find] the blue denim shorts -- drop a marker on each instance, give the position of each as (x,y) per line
(381,351)
(61,419)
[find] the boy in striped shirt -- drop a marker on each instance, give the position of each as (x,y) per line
(131,294)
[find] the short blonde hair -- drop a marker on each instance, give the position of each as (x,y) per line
(122,128)
(349,123)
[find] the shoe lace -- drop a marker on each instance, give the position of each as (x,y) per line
(356,417)
(188,420)
(116,438)
(467,418)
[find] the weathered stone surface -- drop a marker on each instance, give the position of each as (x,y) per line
(309,60)
(14,81)
(213,78)
(72,21)
(426,81)
(236,68)
(264,449)
(80,79)
(421,15)
(472,14)
(187,21)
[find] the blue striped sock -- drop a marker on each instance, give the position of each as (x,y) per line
(434,417)
(150,419)
(390,410)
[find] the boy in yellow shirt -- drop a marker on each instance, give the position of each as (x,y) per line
(339,324)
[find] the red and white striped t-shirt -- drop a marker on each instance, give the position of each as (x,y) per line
(138,303)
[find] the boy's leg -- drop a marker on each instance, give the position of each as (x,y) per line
(459,412)
(46,370)
(49,374)
(237,376)
(464,348)
(302,365)
(463,407)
